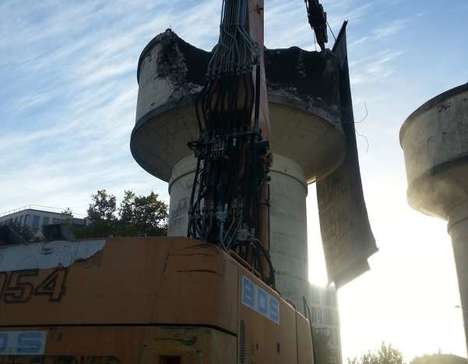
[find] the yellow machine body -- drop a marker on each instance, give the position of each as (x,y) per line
(148,300)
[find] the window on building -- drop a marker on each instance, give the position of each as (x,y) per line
(21,219)
(56,221)
(26,219)
(35,221)
(45,220)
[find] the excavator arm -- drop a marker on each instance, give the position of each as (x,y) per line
(318,21)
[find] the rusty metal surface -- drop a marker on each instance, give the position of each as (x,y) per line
(347,237)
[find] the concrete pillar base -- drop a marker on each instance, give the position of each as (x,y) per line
(288,223)
(458,230)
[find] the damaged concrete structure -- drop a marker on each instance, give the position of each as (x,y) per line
(435,143)
(307,139)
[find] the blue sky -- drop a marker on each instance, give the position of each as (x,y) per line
(67,107)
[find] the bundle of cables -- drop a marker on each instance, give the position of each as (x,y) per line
(230,151)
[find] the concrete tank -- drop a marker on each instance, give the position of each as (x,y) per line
(435,143)
(306,139)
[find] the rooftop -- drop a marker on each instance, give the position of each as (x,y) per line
(37,208)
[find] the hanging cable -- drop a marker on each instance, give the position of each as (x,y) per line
(331,30)
(231,151)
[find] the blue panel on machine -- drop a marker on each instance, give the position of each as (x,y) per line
(259,300)
(22,342)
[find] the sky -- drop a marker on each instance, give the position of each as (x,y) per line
(67,107)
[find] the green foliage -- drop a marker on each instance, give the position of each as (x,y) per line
(386,354)
(68,216)
(102,208)
(136,216)
(127,207)
(67,212)
(146,214)
(439,359)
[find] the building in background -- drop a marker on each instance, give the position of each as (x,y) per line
(37,217)
(325,325)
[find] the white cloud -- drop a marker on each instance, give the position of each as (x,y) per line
(392,28)
(374,68)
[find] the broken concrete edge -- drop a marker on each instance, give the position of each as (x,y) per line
(331,117)
(166,36)
(429,105)
(312,72)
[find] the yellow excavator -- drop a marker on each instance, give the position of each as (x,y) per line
(205,299)
(142,300)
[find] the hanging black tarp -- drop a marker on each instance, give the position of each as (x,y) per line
(346,233)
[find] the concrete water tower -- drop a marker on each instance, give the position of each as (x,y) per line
(435,143)
(307,139)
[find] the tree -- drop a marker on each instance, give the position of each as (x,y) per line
(136,216)
(439,359)
(102,208)
(127,207)
(142,215)
(101,216)
(386,354)
(149,215)
(68,214)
